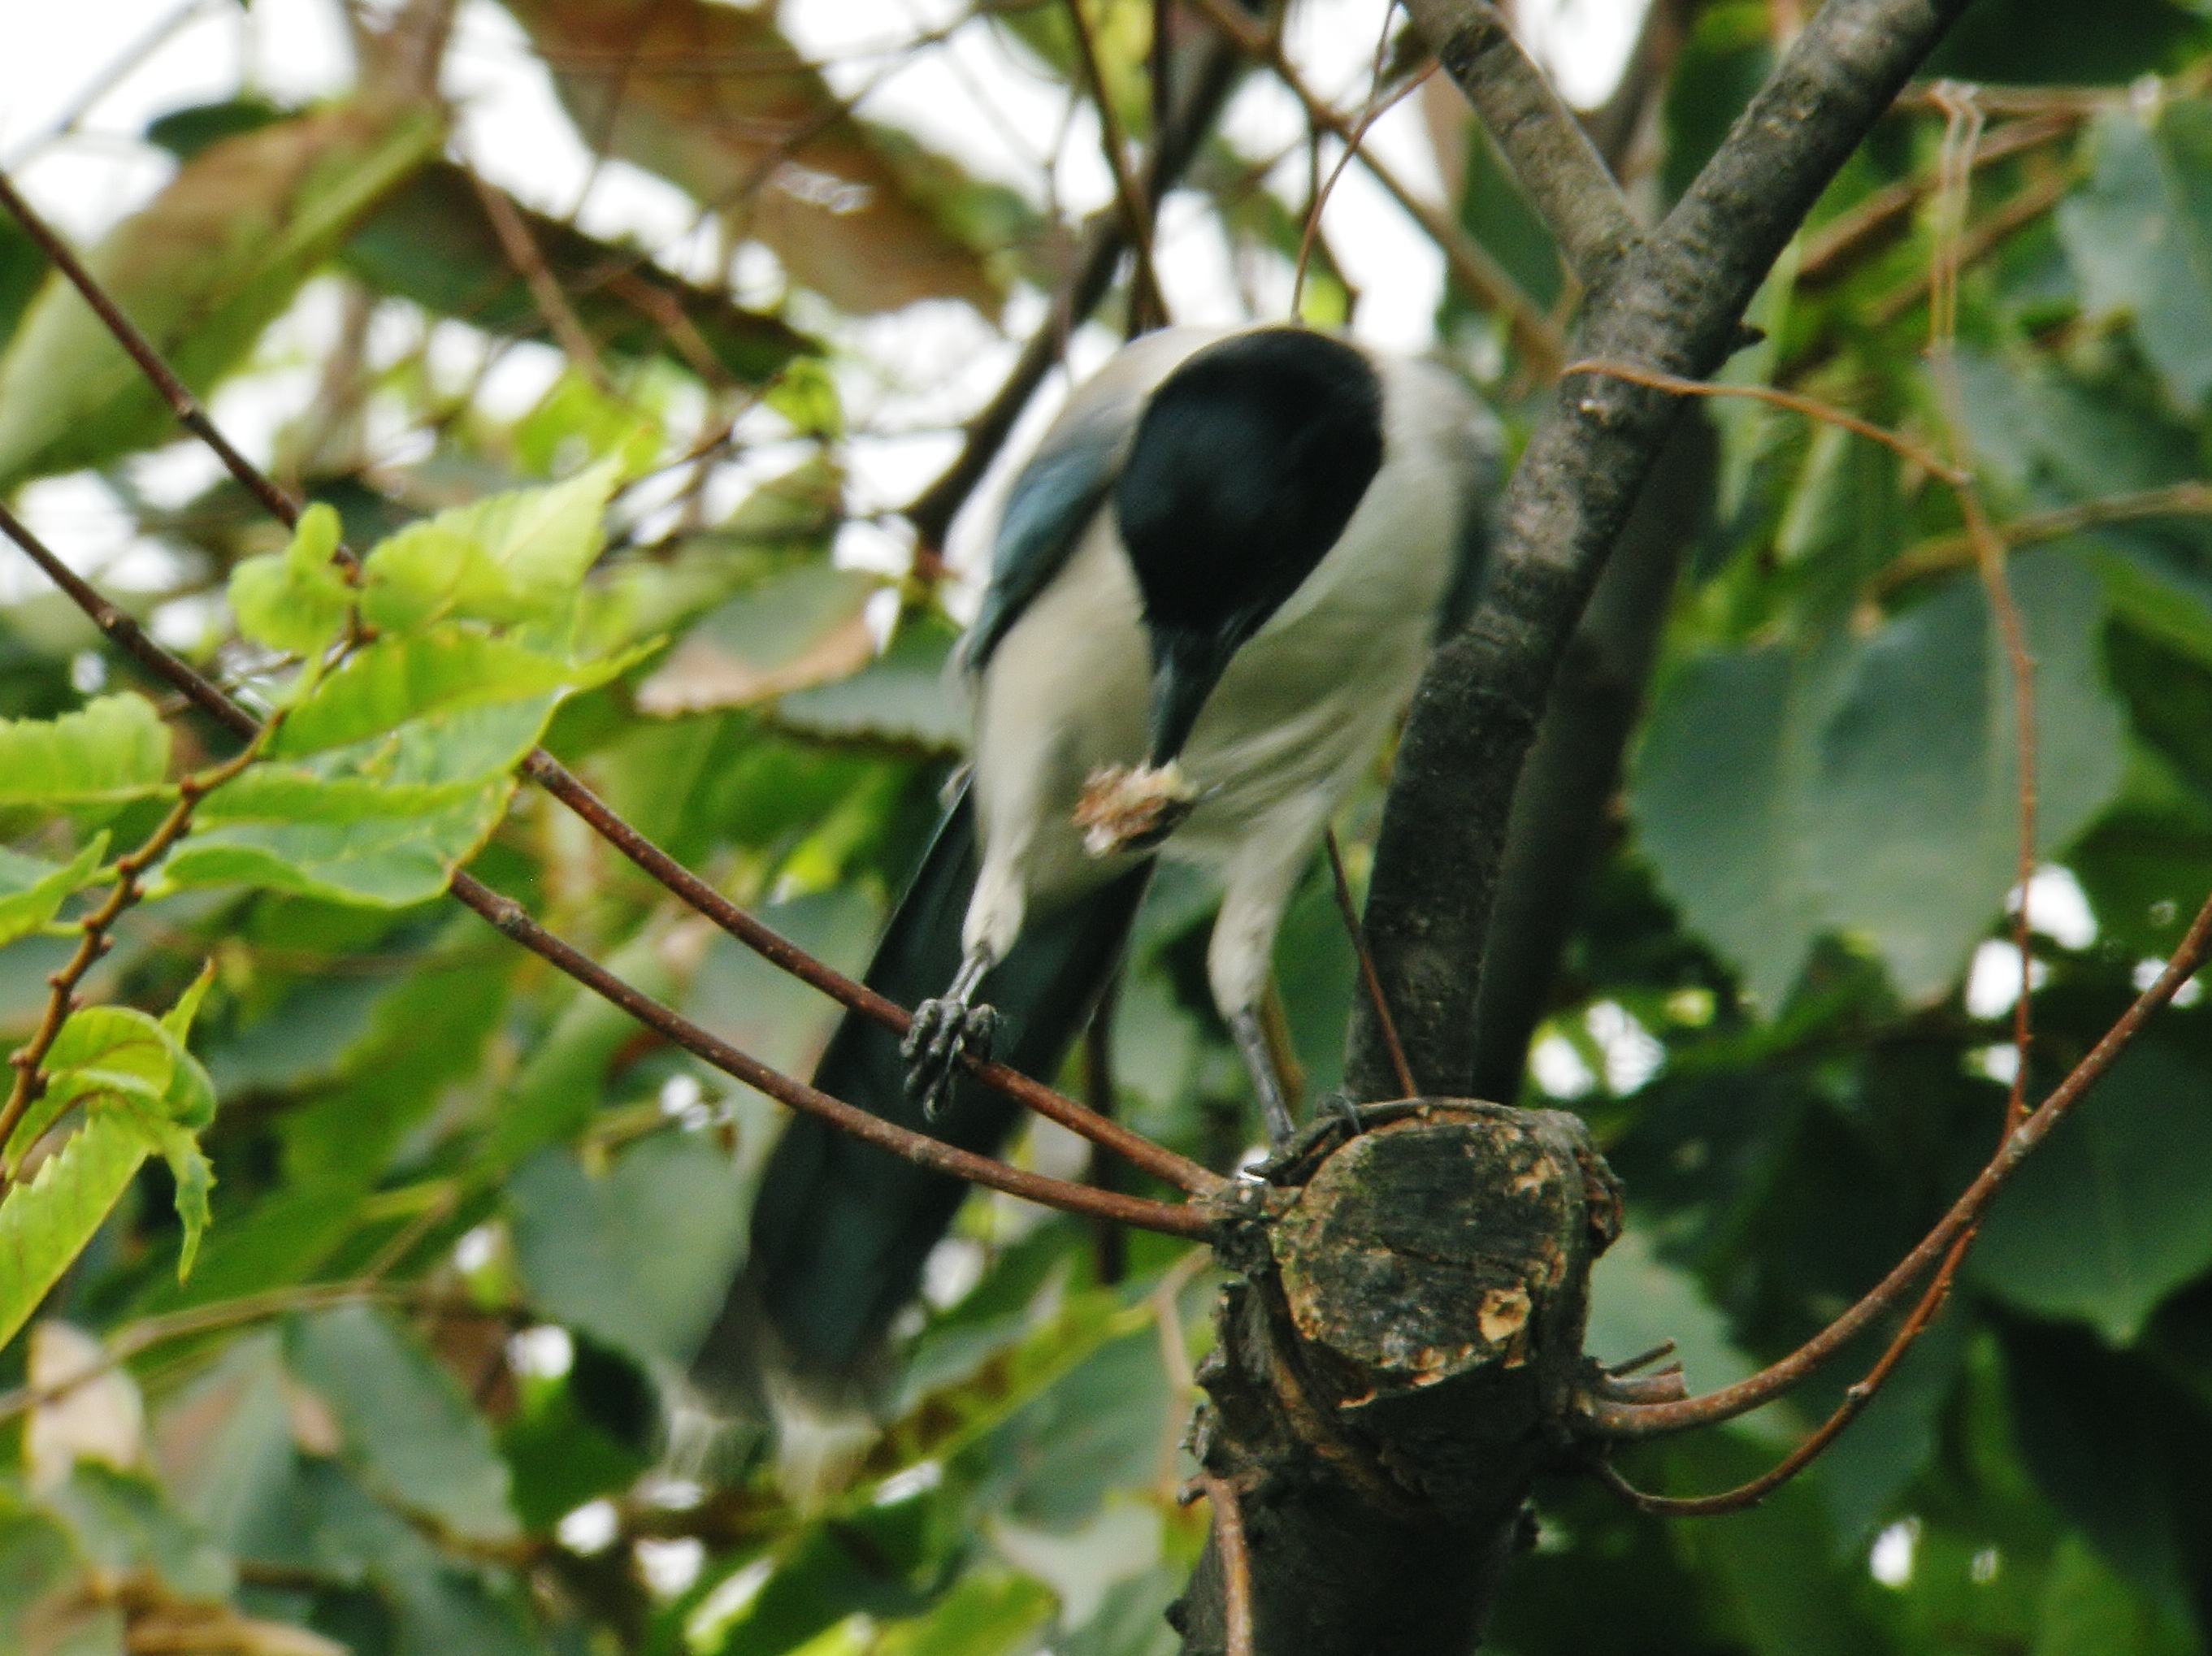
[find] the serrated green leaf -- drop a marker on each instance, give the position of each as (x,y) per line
(446,669)
(383,861)
(426,765)
(110,751)
(514,557)
(111,1049)
(194,1175)
(295,599)
(31,891)
(44,1225)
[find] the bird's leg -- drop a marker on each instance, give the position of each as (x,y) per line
(942,1029)
(1252,1042)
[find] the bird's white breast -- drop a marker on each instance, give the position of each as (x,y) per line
(1301,708)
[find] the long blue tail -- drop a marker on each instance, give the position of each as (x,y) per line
(839,1229)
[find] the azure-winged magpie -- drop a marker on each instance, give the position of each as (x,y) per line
(1212,589)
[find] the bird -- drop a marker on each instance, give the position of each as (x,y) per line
(1212,588)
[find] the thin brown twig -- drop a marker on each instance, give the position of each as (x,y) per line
(1949,552)
(147,1332)
(1358,933)
(1146,302)
(539,765)
(1811,407)
(1221,1499)
(93,942)
(2024,208)
(1831,250)
(1606,1419)
(1370,111)
(1854,1403)
(557,780)
(140,351)
(1962,132)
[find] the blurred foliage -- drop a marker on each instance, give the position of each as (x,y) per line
(462,1221)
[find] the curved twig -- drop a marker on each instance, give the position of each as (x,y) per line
(1605,1419)
(509,918)
(540,766)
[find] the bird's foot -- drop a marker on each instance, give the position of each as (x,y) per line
(943,1029)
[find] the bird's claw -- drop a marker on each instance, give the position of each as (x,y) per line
(942,1030)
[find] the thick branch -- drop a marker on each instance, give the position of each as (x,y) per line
(1549,152)
(1672,302)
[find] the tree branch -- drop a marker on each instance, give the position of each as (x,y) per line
(1546,145)
(1673,303)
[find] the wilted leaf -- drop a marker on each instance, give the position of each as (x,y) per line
(807,627)
(202,270)
(713,99)
(904,695)
(109,751)
(432,242)
(32,892)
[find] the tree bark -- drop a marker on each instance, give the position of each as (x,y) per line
(1406,1327)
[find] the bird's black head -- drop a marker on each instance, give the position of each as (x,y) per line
(1246,465)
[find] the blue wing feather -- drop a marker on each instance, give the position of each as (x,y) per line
(1050,505)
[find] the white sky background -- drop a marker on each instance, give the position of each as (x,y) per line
(911,376)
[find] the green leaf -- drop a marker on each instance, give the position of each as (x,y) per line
(44,1225)
(426,764)
(1866,787)
(2087,1611)
(124,1527)
(295,599)
(108,752)
(639,1257)
(986,1613)
(116,1050)
(32,892)
(2140,236)
(2109,1216)
(448,669)
(404,1422)
(384,861)
(512,557)
(202,269)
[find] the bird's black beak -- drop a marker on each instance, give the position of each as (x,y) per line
(1186,666)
